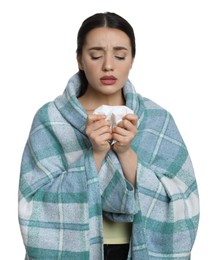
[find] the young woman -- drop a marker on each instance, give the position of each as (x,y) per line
(83,196)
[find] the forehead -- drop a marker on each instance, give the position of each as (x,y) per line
(105,36)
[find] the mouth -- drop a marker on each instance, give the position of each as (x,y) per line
(108,80)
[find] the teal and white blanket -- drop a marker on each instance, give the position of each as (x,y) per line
(62,196)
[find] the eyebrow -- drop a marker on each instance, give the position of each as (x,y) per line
(116,48)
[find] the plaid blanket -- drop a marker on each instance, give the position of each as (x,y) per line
(62,196)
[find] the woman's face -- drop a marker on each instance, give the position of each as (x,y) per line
(106,60)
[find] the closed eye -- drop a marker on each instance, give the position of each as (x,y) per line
(98,57)
(95,58)
(120,58)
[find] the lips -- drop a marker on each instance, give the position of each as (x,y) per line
(108,80)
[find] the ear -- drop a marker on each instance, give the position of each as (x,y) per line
(79,61)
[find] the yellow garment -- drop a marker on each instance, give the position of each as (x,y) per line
(116,233)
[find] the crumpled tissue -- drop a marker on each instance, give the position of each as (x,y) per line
(114,114)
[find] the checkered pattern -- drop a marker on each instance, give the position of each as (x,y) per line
(62,196)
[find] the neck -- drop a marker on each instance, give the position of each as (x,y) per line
(91,101)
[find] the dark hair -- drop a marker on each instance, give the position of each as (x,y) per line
(107,19)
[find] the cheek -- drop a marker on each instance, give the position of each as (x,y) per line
(125,69)
(89,66)
(91,73)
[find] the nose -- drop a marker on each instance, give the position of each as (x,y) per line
(108,63)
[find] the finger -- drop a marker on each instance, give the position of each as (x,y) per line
(93,118)
(132,118)
(120,131)
(98,128)
(128,125)
(103,137)
(123,135)
(122,140)
(94,123)
(102,130)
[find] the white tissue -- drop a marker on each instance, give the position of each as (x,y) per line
(114,114)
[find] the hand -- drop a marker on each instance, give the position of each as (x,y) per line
(124,133)
(99,132)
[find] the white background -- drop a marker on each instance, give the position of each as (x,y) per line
(176,65)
